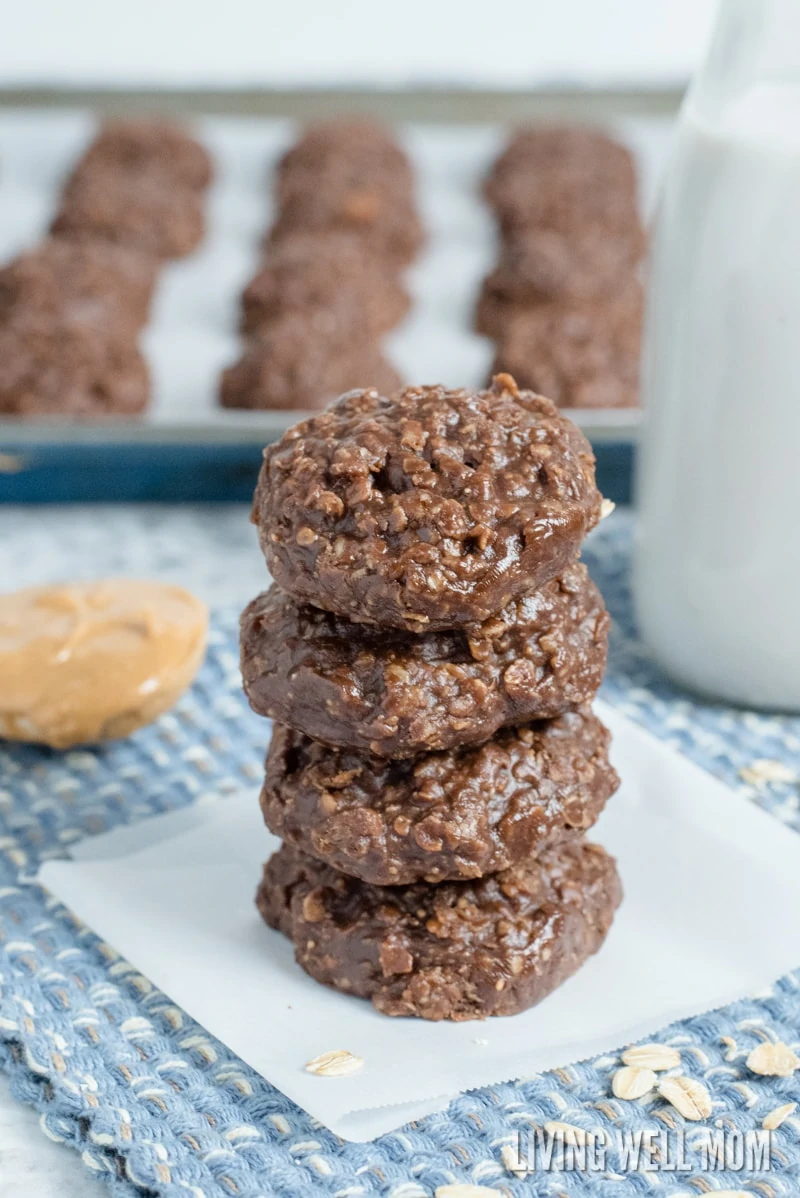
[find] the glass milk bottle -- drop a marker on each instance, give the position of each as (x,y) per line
(717,571)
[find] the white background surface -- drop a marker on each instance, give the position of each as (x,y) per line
(261,43)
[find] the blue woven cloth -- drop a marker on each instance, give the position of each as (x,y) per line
(157,1106)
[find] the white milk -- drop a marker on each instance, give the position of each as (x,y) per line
(718,563)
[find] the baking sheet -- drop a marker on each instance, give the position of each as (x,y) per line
(175,896)
(193,335)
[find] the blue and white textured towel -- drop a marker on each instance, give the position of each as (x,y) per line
(158,1107)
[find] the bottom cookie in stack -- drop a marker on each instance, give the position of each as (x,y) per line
(457,950)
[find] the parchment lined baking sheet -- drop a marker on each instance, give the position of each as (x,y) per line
(193,332)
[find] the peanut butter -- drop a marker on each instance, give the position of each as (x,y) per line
(94,661)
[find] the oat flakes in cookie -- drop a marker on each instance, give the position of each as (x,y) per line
(430,509)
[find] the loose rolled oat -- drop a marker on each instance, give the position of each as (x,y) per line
(773,1059)
(569,1132)
(632,1082)
(337,1063)
(775,1118)
(652,1056)
(689,1097)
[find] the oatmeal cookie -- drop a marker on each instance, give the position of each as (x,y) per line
(302,362)
(57,370)
(430,509)
(567,179)
(459,950)
(99,286)
(546,267)
(584,355)
(306,272)
(462,813)
(394,693)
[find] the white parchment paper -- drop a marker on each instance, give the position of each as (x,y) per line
(175,896)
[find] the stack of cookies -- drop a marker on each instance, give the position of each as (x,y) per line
(564,304)
(429,651)
(72,309)
(330,285)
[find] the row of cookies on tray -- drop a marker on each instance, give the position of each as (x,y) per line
(330,285)
(72,309)
(563,304)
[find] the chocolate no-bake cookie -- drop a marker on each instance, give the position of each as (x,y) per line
(567,179)
(328,288)
(146,145)
(303,361)
(387,224)
(395,693)
(352,149)
(95,285)
(140,183)
(307,272)
(459,950)
(582,355)
(349,176)
(430,509)
(462,813)
(57,370)
(141,211)
(543,266)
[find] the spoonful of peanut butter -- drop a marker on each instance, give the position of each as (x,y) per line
(87,662)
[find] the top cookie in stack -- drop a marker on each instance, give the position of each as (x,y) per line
(429,510)
(430,649)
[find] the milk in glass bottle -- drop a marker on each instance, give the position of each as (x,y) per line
(717,572)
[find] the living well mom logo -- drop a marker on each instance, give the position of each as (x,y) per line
(565,1148)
